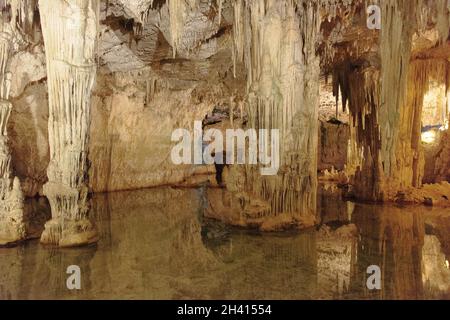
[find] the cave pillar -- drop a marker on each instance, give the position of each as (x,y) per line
(275,40)
(385,105)
(70,29)
(12,228)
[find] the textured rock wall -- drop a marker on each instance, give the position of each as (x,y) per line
(130,143)
(437,156)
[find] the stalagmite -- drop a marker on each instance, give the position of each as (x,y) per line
(276,42)
(70,30)
(12,228)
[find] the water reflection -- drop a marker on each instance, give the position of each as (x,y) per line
(391,238)
(156,245)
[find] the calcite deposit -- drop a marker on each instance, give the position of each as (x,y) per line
(70,30)
(91,92)
(12,227)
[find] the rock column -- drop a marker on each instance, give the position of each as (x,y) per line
(275,40)
(70,29)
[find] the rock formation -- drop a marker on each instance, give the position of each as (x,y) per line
(385,97)
(275,41)
(70,30)
(12,226)
(140,69)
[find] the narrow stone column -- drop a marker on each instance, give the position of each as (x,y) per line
(12,228)
(70,29)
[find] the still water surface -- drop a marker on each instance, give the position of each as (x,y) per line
(155,245)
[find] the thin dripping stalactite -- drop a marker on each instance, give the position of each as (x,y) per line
(70,45)
(178,10)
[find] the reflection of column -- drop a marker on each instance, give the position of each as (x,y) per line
(392,240)
(11,264)
(336,249)
(47,268)
(435,272)
(288,264)
(70,33)
(12,227)
(153,245)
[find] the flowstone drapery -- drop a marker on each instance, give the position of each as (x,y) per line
(70,30)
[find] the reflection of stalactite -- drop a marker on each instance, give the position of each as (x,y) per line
(71,71)
(276,42)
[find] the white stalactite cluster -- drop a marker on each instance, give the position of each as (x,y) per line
(70,33)
(178,9)
(12,226)
(275,40)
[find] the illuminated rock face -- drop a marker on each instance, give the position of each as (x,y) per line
(12,228)
(70,34)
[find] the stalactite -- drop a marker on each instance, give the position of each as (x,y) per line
(409,167)
(22,13)
(220,11)
(404,84)
(178,9)
(177,13)
(70,45)
(276,42)
(12,228)
(238,34)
